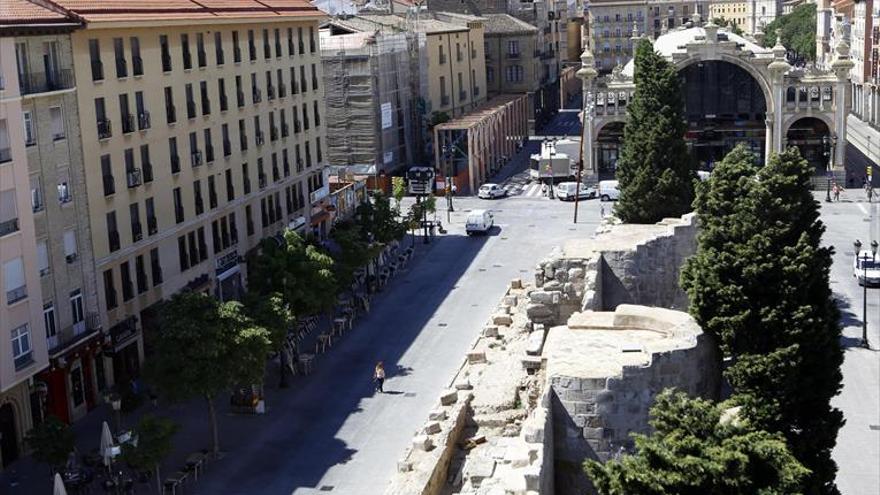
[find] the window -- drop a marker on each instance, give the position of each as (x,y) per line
(239,92)
(155,267)
(49,323)
(127,288)
(299,34)
(16,289)
(200,50)
(209,146)
(104,129)
(277,43)
(143,116)
(442,55)
(242,135)
(221,88)
(182,256)
(140,274)
(109,290)
(320,154)
(76,306)
(174,157)
(227,144)
(112,233)
(314,78)
(267,50)
(65,195)
(302,79)
(126,115)
(212,193)
(37,203)
(8,212)
(137,64)
(290,41)
(69,238)
(43,258)
(197,197)
(187,56)
(246,180)
(95,59)
(170,111)
(21,347)
(206,102)
(119,53)
(294,88)
(166,53)
(30,132)
(194,152)
(134,213)
(252,47)
(317,113)
(230,187)
(146,165)
(178,206)
(57,123)
(152,221)
(236,49)
(490,74)
(248,213)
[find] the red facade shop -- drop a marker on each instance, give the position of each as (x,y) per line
(73,382)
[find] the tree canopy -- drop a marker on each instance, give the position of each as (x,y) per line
(797,31)
(696,450)
(655,170)
(154,443)
(51,441)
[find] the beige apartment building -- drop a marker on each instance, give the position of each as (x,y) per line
(202,133)
(513,63)
(733,11)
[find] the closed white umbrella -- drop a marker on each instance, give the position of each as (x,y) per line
(106,443)
(59,486)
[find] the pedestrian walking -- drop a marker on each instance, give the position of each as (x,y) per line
(836,190)
(544,190)
(869,191)
(379,376)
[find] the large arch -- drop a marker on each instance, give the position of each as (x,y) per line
(809,135)
(760,78)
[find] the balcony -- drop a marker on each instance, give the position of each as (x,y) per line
(133,177)
(5,155)
(240,96)
(196,158)
(109,185)
(113,240)
(261,138)
(74,334)
(137,232)
(144,120)
(9,226)
(121,68)
(152,225)
(127,123)
(513,56)
(44,82)
(319,194)
(137,66)
(262,181)
(16,294)
(105,130)
(257,95)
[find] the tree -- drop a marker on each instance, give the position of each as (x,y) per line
(760,283)
(729,24)
(655,170)
(378,218)
(204,347)
(398,190)
(154,435)
(696,450)
(797,31)
(272,313)
(51,442)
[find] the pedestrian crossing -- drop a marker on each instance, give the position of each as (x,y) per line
(524,190)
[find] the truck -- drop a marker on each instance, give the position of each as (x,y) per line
(551,164)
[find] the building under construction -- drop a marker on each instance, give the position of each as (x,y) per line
(372,86)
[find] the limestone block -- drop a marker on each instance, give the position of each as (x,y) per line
(561,275)
(490,331)
(533,433)
(431,428)
(477,468)
(516,283)
(593,433)
(502,319)
(511,430)
(463,384)
(539,278)
(532,477)
(538,311)
(422,442)
(476,357)
(518,457)
(510,300)
(448,397)
(437,415)
(531,362)
(503,309)
(553,285)
(548,271)
(545,297)
(535,343)
(404,466)
(575,273)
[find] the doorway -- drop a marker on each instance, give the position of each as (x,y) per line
(8,435)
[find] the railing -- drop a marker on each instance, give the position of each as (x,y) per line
(133,177)
(8,227)
(319,194)
(513,55)
(128,123)
(44,82)
(262,181)
(121,68)
(24,360)
(196,158)
(144,120)
(105,130)
(38,204)
(152,225)
(109,185)
(16,294)
(75,333)
(5,155)
(166,62)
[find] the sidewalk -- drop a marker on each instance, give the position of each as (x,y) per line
(27,477)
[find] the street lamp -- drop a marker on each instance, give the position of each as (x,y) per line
(116,404)
(447,154)
(828,145)
(858,248)
(551,151)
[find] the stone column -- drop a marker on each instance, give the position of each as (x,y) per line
(777,68)
(841,66)
(768,135)
(587,74)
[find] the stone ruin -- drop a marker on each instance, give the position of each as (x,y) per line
(566,369)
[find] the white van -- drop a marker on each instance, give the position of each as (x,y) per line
(608,190)
(479,222)
(566,191)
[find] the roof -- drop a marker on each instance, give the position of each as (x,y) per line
(164,10)
(506,24)
(373,22)
(22,12)
(481,113)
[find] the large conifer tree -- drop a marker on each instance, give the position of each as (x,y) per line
(655,170)
(760,283)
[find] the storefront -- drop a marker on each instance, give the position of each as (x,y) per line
(228,271)
(125,351)
(73,383)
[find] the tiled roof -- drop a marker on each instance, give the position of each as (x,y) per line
(423,25)
(504,23)
(19,12)
(159,10)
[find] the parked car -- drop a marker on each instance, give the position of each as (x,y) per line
(491,191)
(608,190)
(866,268)
(479,222)
(566,191)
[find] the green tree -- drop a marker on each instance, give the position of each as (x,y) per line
(655,170)
(398,190)
(51,442)
(272,313)
(729,24)
(203,348)
(760,283)
(380,219)
(154,435)
(696,450)
(797,31)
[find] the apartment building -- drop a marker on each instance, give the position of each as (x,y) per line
(513,64)
(730,10)
(28,92)
(864,41)
(760,13)
(202,132)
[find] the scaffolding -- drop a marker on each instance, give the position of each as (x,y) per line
(371,77)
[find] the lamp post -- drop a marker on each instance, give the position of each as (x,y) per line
(116,404)
(551,145)
(858,248)
(828,145)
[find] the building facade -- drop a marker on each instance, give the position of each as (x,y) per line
(513,64)
(760,13)
(730,10)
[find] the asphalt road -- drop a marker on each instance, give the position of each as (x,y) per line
(334,434)
(858,443)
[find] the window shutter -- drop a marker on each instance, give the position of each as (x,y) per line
(7,205)
(14,274)
(42,257)
(69,243)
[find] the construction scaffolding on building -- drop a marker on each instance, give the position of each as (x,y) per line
(372,80)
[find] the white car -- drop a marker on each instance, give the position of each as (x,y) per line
(479,222)
(491,191)
(866,268)
(566,191)
(608,190)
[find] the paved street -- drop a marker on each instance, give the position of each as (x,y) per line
(858,445)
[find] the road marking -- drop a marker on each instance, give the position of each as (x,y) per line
(862,208)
